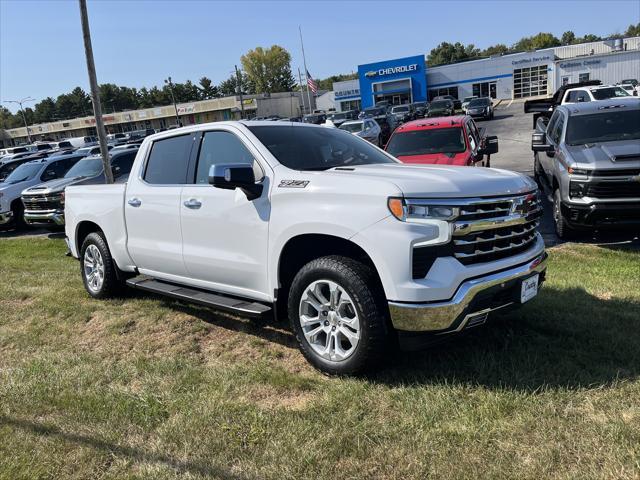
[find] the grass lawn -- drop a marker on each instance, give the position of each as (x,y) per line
(143,387)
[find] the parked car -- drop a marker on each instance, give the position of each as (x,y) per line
(26,175)
(444,141)
(338,118)
(114,139)
(383,118)
(544,107)
(86,141)
(629,87)
(588,158)
(44,203)
(358,249)
(86,151)
(6,167)
(465,102)
(457,104)
(403,113)
(366,128)
(420,109)
(5,152)
(480,108)
(315,118)
(441,108)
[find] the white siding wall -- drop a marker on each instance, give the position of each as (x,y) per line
(609,69)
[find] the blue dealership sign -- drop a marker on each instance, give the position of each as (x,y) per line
(403,77)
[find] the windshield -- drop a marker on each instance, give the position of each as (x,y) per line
(425,142)
(87,167)
(468,99)
(604,127)
(338,116)
(352,127)
(308,148)
(609,92)
(7,168)
(479,102)
(440,104)
(404,108)
(374,111)
(23,173)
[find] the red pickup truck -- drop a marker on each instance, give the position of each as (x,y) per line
(442,140)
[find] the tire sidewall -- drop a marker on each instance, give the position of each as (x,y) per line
(317,270)
(109,282)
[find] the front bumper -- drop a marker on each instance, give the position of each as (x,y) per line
(471,303)
(602,214)
(6,217)
(46,217)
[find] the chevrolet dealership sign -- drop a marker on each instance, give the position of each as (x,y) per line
(392,70)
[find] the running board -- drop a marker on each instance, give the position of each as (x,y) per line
(218,301)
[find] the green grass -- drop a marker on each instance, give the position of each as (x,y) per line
(143,387)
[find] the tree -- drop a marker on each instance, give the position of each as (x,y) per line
(81,103)
(541,40)
(327,83)
(229,86)
(45,110)
(633,30)
(269,70)
(207,89)
(450,53)
(589,37)
(499,49)
(10,120)
(568,38)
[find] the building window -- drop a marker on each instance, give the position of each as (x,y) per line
(438,92)
(485,89)
(583,77)
(530,81)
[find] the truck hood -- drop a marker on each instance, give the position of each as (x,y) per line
(459,159)
(439,181)
(54,186)
(622,154)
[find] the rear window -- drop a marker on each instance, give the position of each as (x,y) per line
(609,92)
(168,161)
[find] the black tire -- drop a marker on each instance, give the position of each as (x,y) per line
(18,215)
(563,229)
(537,171)
(110,285)
(362,285)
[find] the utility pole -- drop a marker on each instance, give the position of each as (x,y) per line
(95,93)
(24,117)
(173,99)
(239,89)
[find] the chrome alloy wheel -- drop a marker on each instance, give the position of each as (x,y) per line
(329,320)
(93,268)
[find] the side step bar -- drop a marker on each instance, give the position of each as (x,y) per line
(218,301)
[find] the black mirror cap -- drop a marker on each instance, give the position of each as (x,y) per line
(230,176)
(539,142)
(490,145)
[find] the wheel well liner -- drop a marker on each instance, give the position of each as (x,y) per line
(83,229)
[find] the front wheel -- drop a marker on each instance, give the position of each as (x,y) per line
(97,267)
(563,229)
(338,314)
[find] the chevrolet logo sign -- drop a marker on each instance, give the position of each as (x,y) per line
(371,73)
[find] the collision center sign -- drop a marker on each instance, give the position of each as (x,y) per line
(393,70)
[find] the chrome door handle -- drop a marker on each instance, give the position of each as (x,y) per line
(192,203)
(134,202)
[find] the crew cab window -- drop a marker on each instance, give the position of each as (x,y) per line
(123,162)
(55,170)
(222,147)
(556,132)
(168,161)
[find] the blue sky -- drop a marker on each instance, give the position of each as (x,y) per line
(139,43)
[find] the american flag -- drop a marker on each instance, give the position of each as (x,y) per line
(312,83)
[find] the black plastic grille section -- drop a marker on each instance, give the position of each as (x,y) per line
(613,189)
(41,202)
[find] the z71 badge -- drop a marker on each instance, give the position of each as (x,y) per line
(293,183)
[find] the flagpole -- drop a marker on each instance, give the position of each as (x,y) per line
(306,70)
(301,92)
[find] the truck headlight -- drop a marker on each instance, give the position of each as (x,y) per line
(417,210)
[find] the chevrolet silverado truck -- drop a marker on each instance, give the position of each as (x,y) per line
(544,107)
(276,218)
(588,158)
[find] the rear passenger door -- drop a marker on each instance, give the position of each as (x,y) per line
(152,208)
(225,235)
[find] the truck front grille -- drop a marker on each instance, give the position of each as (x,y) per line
(613,189)
(41,202)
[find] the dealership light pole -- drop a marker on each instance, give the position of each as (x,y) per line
(239,90)
(173,99)
(95,93)
(24,117)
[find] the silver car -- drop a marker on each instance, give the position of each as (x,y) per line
(366,128)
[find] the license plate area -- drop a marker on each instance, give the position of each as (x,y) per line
(529,288)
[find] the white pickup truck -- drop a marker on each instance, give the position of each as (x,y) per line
(360,250)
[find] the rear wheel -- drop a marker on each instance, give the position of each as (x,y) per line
(97,267)
(338,316)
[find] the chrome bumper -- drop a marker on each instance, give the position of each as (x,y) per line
(470,305)
(6,217)
(44,217)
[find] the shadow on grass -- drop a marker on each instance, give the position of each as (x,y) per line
(136,454)
(563,339)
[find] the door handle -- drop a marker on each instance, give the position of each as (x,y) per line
(134,202)
(193,203)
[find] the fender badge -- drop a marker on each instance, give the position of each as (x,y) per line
(293,183)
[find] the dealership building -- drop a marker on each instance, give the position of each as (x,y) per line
(503,77)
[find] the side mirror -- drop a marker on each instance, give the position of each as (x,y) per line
(539,143)
(490,145)
(115,170)
(235,175)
